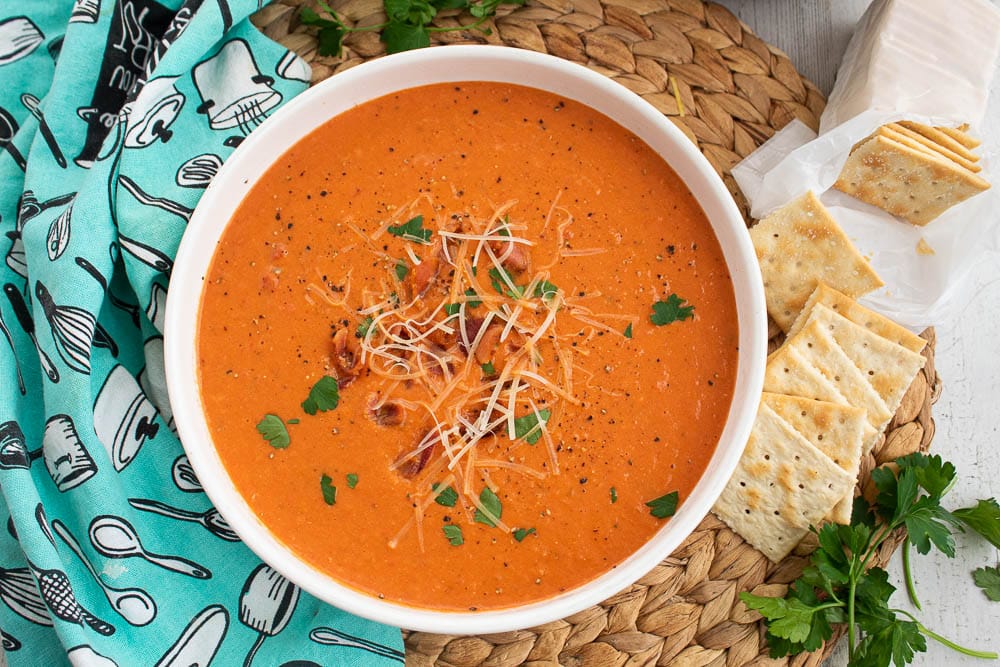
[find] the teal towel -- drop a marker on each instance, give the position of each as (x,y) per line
(114,116)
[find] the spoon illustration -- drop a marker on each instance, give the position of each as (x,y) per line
(184,476)
(210,518)
(132,604)
(115,537)
(331,637)
(8,128)
(10,642)
(24,319)
(32,104)
(267,602)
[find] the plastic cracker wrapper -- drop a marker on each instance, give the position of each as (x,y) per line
(909,60)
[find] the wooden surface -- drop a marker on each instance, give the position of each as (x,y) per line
(814,33)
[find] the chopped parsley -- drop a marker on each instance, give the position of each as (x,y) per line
(352,480)
(454,535)
(545,290)
(664,506)
(364,326)
(446,497)
(292,421)
(671,310)
(499,278)
(628,330)
(412,230)
(614,495)
(272,429)
(492,504)
(488,368)
(402,269)
(452,308)
(328,489)
(528,426)
(324,395)
(472,292)
(522,533)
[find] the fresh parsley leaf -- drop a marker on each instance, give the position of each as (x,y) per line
(545,290)
(399,37)
(664,506)
(452,308)
(328,489)
(488,368)
(352,480)
(614,495)
(363,327)
(331,31)
(272,429)
(522,533)
(324,395)
(628,330)
(499,279)
(492,504)
(927,523)
(988,578)
(454,535)
(472,292)
(984,518)
(292,421)
(671,310)
(934,475)
(412,229)
(446,496)
(530,425)
(402,269)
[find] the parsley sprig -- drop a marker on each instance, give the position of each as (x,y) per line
(408,25)
(840,586)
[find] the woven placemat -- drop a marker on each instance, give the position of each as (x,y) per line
(728,91)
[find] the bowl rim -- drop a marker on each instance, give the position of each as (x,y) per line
(408,70)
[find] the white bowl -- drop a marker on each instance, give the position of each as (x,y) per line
(381,77)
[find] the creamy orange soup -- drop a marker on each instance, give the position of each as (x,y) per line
(463,346)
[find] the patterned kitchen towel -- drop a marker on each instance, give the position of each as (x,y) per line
(114,116)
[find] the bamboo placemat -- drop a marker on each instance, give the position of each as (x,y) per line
(728,91)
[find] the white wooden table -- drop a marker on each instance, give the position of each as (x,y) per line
(814,34)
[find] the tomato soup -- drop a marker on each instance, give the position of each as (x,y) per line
(467,346)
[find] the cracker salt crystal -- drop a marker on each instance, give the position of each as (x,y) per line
(781,486)
(855,312)
(911,184)
(800,245)
(836,430)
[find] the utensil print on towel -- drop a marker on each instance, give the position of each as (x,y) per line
(210,519)
(9,642)
(133,604)
(8,128)
(59,233)
(88,657)
(66,458)
(123,417)
(13,451)
(19,37)
(153,380)
(130,308)
(74,331)
(33,105)
(201,639)
(43,525)
(233,91)
(115,537)
(19,591)
(156,311)
(147,255)
(331,637)
(29,207)
(184,476)
(267,602)
(13,354)
(161,203)
(57,591)
(24,319)
(197,172)
(85,11)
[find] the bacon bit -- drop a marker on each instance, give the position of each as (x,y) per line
(424,274)
(489,344)
(413,466)
(278,250)
(472,326)
(345,357)
(269,281)
(519,259)
(389,413)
